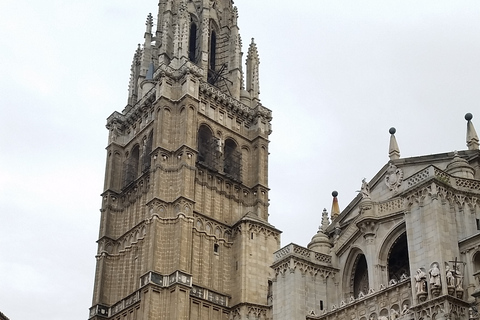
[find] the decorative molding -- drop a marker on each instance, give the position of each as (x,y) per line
(293,264)
(115,247)
(210,296)
(391,206)
(165,281)
(212,228)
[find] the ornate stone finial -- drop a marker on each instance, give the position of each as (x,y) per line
(393,150)
(325,220)
(335,212)
(149,23)
(320,241)
(472,137)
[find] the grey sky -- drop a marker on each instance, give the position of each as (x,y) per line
(336,74)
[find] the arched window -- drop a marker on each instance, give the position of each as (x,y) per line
(398,263)
(131,166)
(476,262)
(360,279)
(213,49)
(207,147)
(212,76)
(232,160)
(192,43)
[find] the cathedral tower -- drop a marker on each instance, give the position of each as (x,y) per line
(184,230)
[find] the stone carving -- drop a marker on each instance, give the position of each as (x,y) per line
(420,281)
(405,309)
(392,282)
(365,189)
(459,277)
(394,177)
(393,314)
(434,273)
(435,282)
(449,277)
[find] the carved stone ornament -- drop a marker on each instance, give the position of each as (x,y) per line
(394,177)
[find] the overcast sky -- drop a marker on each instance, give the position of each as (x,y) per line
(336,74)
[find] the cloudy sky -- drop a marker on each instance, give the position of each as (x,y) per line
(337,75)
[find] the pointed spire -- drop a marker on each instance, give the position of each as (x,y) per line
(393,150)
(253,61)
(472,137)
(335,212)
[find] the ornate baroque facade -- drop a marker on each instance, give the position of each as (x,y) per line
(184,230)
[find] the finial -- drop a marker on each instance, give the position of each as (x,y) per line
(335,208)
(149,23)
(393,150)
(472,137)
(325,221)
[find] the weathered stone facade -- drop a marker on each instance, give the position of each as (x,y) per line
(184,230)
(407,247)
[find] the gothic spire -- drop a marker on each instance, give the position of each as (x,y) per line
(253,61)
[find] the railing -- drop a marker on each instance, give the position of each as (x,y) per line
(432,171)
(296,250)
(386,303)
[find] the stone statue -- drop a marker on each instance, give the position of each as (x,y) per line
(405,309)
(420,281)
(393,314)
(365,189)
(459,277)
(449,276)
(434,275)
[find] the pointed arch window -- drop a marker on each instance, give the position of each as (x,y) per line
(212,61)
(213,49)
(207,148)
(131,166)
(232,160)
(192,43)
(398,262)
(360,279)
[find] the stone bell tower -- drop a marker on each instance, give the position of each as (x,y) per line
(184,230)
